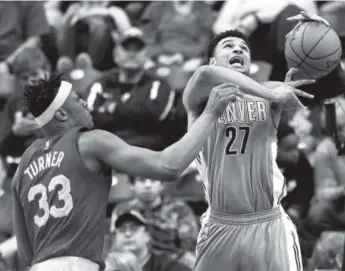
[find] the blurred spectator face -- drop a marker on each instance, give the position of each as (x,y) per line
(131,54)
(183,7)
(132,236)
(288,152)
(30,64)
(147,190)
(233,53)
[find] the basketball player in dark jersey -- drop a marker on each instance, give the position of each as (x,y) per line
(245,227)
(62,184)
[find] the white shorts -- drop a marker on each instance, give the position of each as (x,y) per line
(66,264)
(259,241)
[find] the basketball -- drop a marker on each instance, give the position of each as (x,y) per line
(314,48)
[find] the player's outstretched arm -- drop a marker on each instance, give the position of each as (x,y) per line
(208,76)
(172,161)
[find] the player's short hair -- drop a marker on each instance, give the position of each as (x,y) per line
(217,38)
(40,93)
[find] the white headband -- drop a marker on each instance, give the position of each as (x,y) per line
(63,92)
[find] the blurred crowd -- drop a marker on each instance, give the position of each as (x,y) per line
(130,60)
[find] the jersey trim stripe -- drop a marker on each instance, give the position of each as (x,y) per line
(277,179)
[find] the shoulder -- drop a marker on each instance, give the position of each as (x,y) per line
(95,138)
(24,161)
(96,142)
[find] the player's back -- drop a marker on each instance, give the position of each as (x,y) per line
(237,163)
(64,203)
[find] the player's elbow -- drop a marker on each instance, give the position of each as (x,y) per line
(171,173)
(170,169)
(203,72)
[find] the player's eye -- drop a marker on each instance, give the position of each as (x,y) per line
(228,45)
(245,48)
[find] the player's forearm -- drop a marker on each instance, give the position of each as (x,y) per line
(180,155)
(215,75)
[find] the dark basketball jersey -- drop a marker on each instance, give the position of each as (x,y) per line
(237,164)
(64,203)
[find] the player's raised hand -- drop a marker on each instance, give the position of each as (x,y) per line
(220,97)
(288,90)
(307,17)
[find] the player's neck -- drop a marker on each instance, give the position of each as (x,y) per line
(53,130)
(130,76)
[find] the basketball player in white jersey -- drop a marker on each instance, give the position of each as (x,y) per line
(245,227)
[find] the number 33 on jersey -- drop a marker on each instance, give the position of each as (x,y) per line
(63,196)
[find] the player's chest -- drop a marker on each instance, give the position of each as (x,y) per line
(246,112)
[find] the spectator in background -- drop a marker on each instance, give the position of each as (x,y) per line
(177,29)
(22,25)
(171,222)
(87,27)
(328,252)
(122,261)
(131,234)
(129,101)
(18,128)
(298,174)
(327,207)
(177,33)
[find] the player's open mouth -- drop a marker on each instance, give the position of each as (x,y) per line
(236,61)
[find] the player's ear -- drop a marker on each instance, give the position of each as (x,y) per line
(61,115)
(212,61)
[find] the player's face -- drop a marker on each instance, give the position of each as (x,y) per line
(78,111)
(147,190)
(131,236)
(233,53)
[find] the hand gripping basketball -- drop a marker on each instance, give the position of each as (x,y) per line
(220,97)
(307,17)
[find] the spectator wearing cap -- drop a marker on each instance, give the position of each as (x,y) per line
(129,101)
(171,222)
(328,252)
(131,234)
